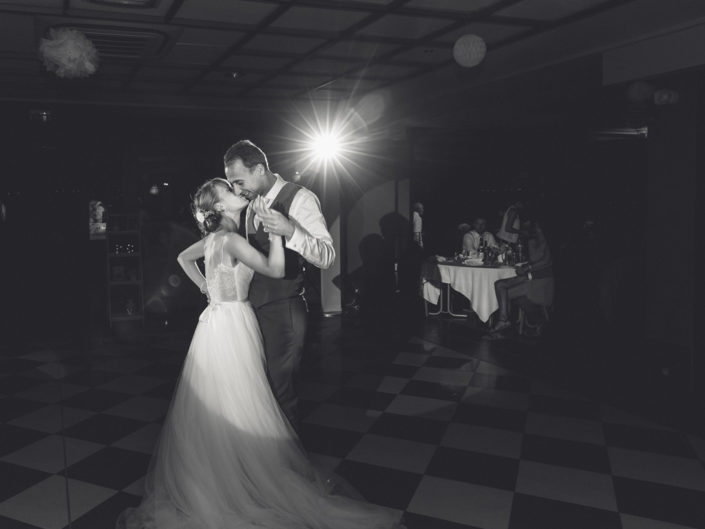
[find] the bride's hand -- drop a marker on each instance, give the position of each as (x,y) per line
(259,208)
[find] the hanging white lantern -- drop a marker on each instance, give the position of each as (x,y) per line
(68,53)
(469,50)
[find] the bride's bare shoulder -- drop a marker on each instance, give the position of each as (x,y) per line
(232,237)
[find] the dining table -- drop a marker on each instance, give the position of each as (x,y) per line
(474,281)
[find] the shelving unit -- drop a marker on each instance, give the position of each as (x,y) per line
(125,274)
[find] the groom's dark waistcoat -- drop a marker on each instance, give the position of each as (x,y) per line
(265,289)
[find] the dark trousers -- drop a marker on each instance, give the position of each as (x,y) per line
(283,325)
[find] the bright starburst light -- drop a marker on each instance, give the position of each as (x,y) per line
(326,145)
(330,141)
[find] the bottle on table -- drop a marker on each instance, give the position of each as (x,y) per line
(508,256)
(486,253)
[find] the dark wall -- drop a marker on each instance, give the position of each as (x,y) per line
(561,172)
(670,223)
(54,280)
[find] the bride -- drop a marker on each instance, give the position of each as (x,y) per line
(227,457)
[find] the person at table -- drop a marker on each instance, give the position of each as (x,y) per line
(534,280)
(417,223)
(510,228)
(478,233)
(463,229)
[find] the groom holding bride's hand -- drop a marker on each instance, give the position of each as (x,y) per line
(294,213)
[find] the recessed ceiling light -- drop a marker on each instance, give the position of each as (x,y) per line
(40,114)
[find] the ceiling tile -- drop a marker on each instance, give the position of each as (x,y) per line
(313,18)
(264,42)
(153,86)
(24,4)
(403,26)
(424,55)
(387,71)
(491,33)
(358,50)
(222,89)
(324,66)
(226,77)
(232,11)
(17,33)
(167,74)
(22,84)
(210,37)
(255,62)
(548,9)
(371,2)
(113,69)
(353,85)
(465,6)
(283,93)
(159,10)
(327,94)
(12,65)
(193,54)
(113,85)
(303,81)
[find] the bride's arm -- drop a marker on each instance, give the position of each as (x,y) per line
(272,265)
(187,259)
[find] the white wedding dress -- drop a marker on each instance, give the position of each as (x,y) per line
(227,457)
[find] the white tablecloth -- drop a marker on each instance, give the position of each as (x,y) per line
(474,282)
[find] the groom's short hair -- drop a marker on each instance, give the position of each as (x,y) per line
(248,152)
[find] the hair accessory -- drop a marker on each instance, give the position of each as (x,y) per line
(227,182)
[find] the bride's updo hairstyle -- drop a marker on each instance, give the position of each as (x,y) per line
(203,205)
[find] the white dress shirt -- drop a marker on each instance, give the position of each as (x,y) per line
(310,239)
(516,225)
(471,240)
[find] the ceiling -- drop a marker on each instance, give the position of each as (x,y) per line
(237,56)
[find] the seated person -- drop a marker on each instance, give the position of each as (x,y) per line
(417,223)
(534,280)
(471,240)
(463,228)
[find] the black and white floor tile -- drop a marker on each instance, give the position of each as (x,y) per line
(451,439)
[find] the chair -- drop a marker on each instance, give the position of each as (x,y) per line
(523,321)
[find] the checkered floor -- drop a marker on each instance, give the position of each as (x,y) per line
(452,440)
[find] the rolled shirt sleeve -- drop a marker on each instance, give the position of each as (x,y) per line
(491,241)
(469,243)
(310,239)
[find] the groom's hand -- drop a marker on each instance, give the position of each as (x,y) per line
(276,223)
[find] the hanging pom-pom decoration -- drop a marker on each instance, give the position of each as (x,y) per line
(469,50)
(68,53)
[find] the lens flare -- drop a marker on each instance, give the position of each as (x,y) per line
(329,141)
(337,140)
(326,145)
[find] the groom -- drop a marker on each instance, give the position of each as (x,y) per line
(295,214)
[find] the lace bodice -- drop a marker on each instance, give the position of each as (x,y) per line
(226,281)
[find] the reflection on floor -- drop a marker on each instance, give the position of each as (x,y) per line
(459,435)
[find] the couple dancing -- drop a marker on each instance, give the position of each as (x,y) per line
(228,455)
